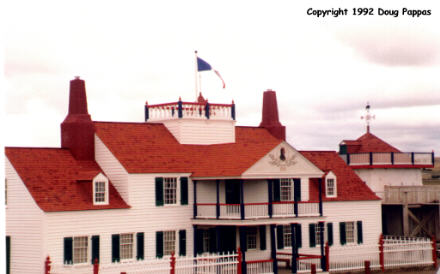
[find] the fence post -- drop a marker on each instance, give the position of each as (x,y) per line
(381,255)
(47,265)
(327,257)
(313,269)
(95,266)
(173,264)
(367,267)
(239,261)
(434,251)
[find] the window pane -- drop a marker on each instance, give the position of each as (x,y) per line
(170,186)
(330,187)
(126,246)
(317,234)
(349,228)
(205,240)
(80,249)
(287,236)
(285,189)
(99,192)
(251,238)
(169,242)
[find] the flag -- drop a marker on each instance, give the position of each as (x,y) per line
(202,65)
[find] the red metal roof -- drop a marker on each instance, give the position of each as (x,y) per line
(368,143)
(349,186)
(151,148)
(57,181)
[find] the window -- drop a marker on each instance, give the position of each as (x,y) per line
(170,187)
(330,185)
(126,246)
(169,242)
(317,234)
(251,238)
(349,232)
(287,236)
(80,249)
(100,190)
(205,240)
(285,189)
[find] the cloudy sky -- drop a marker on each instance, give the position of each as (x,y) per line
(324,70)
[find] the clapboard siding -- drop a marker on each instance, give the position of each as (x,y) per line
(377,178)
(113,169)
(24,224)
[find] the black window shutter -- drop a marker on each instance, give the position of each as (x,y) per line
(359,232)
(298,239)
(159,244)
(115,248)
(262,237)
(312,235)
(183,190)
(276,190)
(182,242)
(95,248)
(297,189)
(342,233)
(68,248)
(159,191)
(330,233)
(212,240)
(140,246)
(280,237)
(8,254)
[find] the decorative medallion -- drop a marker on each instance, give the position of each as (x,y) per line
(282,160)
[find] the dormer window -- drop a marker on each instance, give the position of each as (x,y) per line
(100,190)
(330,185)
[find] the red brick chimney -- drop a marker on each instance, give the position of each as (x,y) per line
(77,130)
(270,119)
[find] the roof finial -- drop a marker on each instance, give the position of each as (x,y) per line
(368,117)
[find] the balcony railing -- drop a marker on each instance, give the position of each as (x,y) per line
(257,210)
(378,159)
(411,195)
(179,109)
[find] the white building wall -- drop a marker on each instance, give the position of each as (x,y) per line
(24,224)
(377,178)
(143,216)
(112,168)
(201,131)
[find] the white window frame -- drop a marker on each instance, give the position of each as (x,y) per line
(100,178)
(80,250)
(286,185)
(287,235)
(126,240)
(331,176)
(170,190)
(169,242)
(251,238)
(353,239)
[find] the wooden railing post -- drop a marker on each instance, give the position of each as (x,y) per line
(434,251)
(95,266)
(381,255)
(313,269)
(327,257)
(173,264)
(367,267)
(47,265)
(239,261)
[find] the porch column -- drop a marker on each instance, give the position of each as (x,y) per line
(195,238)
(269,191)
(217,206)
(294,247)
(273,248)
(243,246)
(195,198)
(321,238)
(320,195)
(242,214)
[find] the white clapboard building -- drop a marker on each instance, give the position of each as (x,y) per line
(187,180)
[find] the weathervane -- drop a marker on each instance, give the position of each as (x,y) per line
(368,117)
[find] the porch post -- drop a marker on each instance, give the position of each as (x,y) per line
(273,248)
(242,214)
(294,247)
(217,206)
(195,238)
(321,238)
(195,198)
(269,191)
(242,232)
(320,195)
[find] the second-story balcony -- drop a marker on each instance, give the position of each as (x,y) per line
(389,159)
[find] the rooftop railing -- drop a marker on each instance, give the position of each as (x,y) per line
(372,159)
(193,110)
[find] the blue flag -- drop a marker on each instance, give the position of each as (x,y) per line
(202,65)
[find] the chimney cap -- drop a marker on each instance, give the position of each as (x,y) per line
(77,78)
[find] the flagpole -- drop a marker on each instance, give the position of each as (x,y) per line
(196,74)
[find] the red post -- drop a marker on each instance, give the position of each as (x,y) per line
(327,257)
(173,264)
(434,251)
(47,265)
(239,259)
(123,272)
(367,267)
(313,269)
(95,266)
(381,255)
